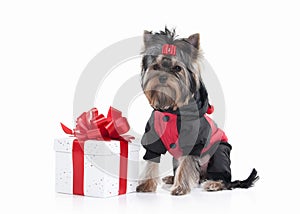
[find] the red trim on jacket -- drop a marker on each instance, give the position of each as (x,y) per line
(217,135)
(165,125)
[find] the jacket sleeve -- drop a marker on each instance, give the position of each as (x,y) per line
(152,143)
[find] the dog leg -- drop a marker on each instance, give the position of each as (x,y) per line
(168,179)
(187,175)
(149,178)
(212,186)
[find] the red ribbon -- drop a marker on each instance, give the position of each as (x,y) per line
(92,126)
(123,167)
(78,167)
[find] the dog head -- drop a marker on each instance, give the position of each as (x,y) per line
(170,69)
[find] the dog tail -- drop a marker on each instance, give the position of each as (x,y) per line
(249,182)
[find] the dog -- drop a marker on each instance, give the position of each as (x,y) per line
(171,81)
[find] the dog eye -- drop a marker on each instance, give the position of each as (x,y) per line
(176,68)
(155,67)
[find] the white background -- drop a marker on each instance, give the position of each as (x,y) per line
(253,47)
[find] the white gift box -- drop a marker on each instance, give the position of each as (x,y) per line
(101,167)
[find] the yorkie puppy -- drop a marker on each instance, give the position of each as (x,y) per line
(171,80)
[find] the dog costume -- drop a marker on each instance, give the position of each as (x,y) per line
(189,131)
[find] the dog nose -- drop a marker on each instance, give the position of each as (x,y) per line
(166,62)
(162,78)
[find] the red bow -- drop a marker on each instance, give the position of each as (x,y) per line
(168,49)
(92,126)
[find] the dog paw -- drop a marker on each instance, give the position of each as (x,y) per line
(147,186)
(168,179)
(212,186)
(179,190)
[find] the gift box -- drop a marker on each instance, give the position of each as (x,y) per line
(97,160)
(101,169)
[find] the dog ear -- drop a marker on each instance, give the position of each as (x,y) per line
(147,36)
(194,40)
